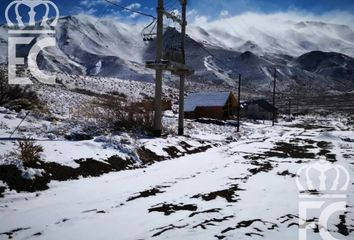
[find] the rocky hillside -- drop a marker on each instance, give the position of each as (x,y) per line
(218,52)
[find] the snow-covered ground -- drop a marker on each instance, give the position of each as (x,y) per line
(74,94)
(243,188)
(51,136)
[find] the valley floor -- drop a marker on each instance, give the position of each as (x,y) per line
(241,189)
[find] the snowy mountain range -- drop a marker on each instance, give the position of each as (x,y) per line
(311,54)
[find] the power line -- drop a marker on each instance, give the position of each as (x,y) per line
(19,124)
(130,10)
(98,19)
(145,36)
(85,36)
(148,15)
(171,4)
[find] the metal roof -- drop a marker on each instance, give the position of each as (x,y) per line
(205,99)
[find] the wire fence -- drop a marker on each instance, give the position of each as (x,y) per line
(339,103)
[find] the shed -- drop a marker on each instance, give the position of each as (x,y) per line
(215,105)
(259,109)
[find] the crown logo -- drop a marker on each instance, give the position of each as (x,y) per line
(32,4)
(323,176)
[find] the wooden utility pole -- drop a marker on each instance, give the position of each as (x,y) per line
(274,88)
(182,77)
(239,103)
(157,129)
(175,66)
(289,108)
(297,101)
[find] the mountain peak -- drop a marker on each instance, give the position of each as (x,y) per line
(250,46)
(330,64)
(248,56)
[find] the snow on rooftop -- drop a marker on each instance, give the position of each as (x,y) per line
(205,99)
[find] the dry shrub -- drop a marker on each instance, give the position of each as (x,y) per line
(28,151)
(351,121)
(116,114)
(139,116)
(16,97)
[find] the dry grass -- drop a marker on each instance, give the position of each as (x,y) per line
(16,97)
(27,151)
(114,113)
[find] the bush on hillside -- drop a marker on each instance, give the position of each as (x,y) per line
(115,114)
(16,97)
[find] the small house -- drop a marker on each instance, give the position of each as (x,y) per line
(215,105)
(259,109)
